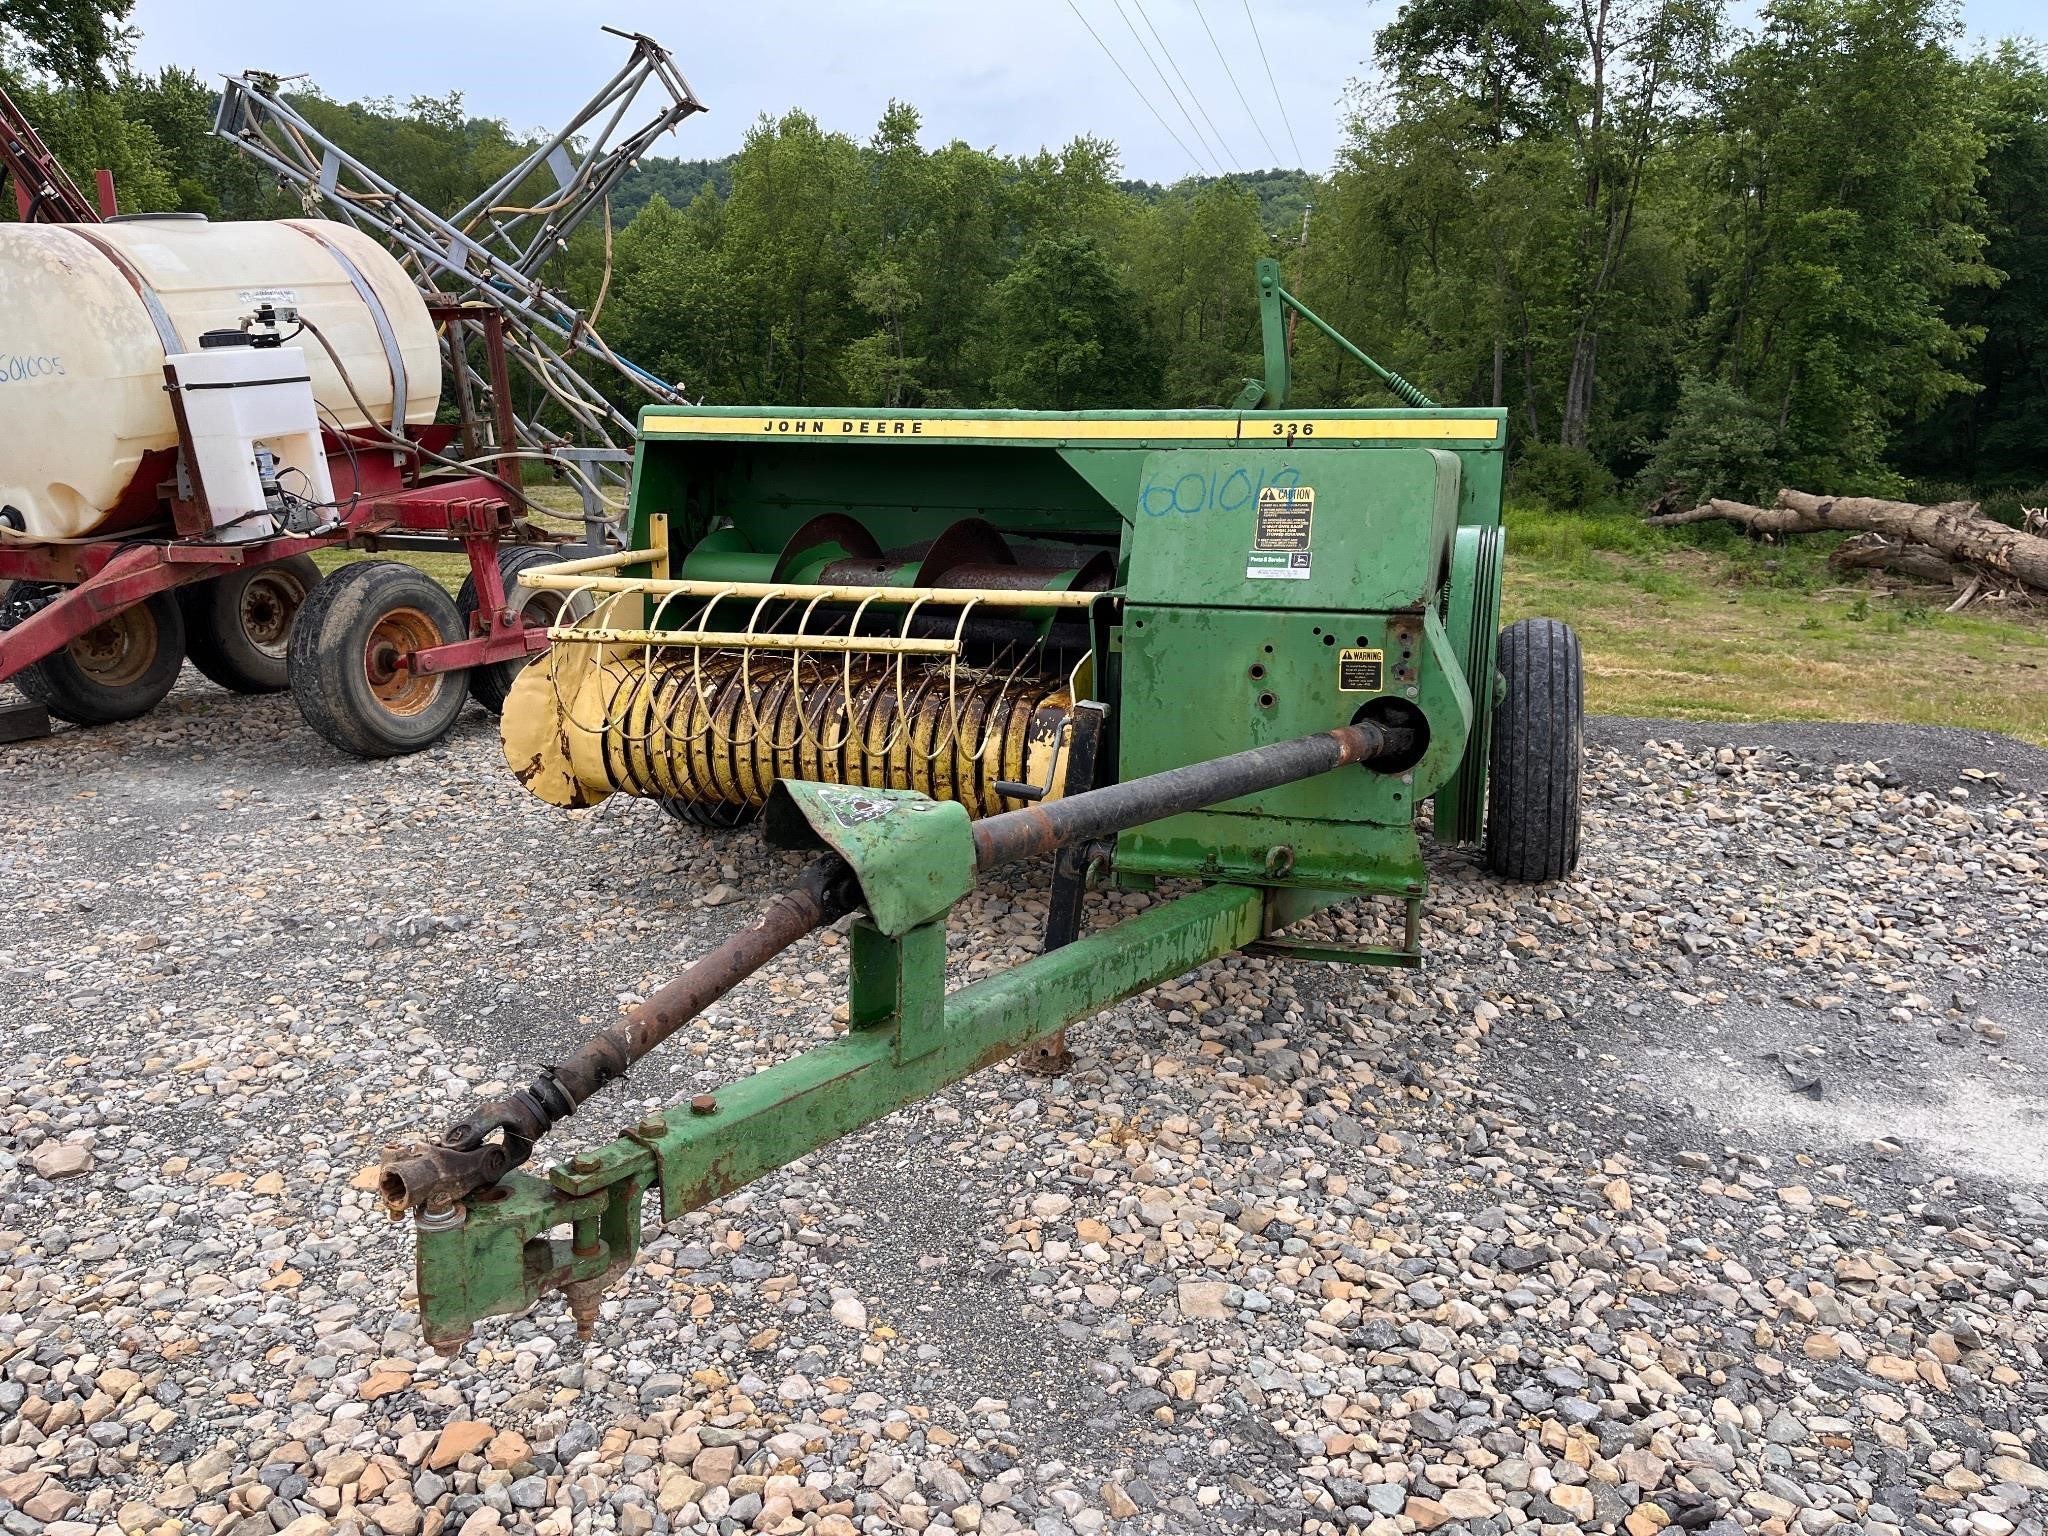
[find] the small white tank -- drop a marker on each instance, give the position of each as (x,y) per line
(88,313)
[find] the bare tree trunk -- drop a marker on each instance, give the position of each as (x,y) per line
(1528,379)
(1954,528)
(1578,390)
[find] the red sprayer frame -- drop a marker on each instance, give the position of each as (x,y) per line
(382,498)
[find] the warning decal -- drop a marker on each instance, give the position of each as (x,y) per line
(1361,671)
(1282,537)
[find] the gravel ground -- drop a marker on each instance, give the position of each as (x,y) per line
(1707,1189)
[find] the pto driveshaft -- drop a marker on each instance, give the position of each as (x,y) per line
(465,1160)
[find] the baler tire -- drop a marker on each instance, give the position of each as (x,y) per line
(238,626)
(489,684)
(1532,812)
(359,619)
(717,816)
(120,670)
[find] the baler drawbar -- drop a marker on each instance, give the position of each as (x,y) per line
(466,1161)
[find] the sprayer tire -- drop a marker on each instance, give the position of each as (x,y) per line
(1532,813)
(489,684)
(353,627)
(118,671)
(238,626)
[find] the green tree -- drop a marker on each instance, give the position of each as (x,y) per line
(1068,332)
(89,131)
(1513,161)
(1838,219)
(433,147)
(670,306)
(76,43)
(880,368)
(207,174)
(1193,254)
(1997,430)
(788,240)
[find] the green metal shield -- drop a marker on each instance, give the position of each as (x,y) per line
(913,856)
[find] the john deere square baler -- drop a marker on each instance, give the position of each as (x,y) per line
(1235,651)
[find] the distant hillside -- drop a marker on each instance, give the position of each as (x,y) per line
(678,181)
(1281,193)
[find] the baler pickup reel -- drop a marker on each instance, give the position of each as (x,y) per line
(961,674)
(1237,649)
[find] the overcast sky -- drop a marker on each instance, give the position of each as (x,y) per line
(1013,75)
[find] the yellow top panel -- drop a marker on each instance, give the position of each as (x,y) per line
(1246,429)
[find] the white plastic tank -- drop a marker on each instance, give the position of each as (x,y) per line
(89,312)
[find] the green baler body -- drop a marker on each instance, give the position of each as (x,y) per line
(1262,559)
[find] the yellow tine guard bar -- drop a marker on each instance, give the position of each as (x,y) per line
(570,577)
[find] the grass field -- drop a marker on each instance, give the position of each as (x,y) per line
(1727,629)
(559,512)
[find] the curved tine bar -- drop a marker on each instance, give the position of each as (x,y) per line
(614,683)
(846,679)
(927,684)
(796,677)
(555,686)
(647,671)
(952,741)
(754,726)
(566,627)
(991,717)
(990,736)
(901,722)
(1027,658)
(711,725)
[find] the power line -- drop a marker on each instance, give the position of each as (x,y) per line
(1225,62)
(1193,95)
(1134,85)
(1165,84)
(1279,100)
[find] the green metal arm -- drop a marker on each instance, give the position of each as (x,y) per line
(1274,302)
(908,1038)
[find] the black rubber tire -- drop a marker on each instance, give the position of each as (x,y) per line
(1532,811)
(238,626)
(395,609)
(715,817)
(489,685)
(119,671)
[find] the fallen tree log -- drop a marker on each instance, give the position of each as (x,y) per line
(1915,562)
(1954,529)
